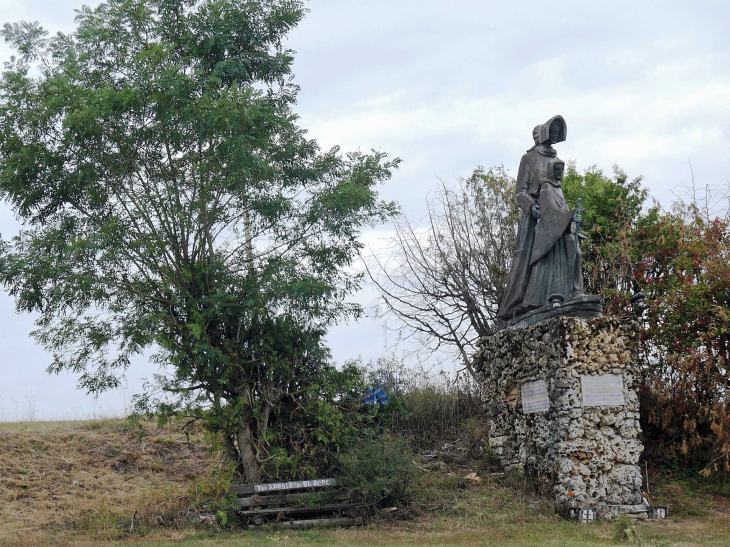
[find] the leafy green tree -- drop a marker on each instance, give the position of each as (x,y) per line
(612,205)
(171,201)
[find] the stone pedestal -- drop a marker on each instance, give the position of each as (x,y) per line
(541,382)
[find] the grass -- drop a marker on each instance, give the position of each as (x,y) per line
(59,480)
(83,483)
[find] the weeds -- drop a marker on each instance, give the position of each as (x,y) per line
(624,530)
(426,408)
(378,470)
(25,411)
(94,478)
(187,500)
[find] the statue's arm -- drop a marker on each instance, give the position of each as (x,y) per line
(522,196)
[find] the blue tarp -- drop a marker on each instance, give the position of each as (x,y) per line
(375,395)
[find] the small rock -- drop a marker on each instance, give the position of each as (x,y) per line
(473,477)
(207,519)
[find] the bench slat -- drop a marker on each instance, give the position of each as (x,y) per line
(255,500)
(305,524)
(299,510)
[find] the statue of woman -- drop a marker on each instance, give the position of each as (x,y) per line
(532,170)
(555,256)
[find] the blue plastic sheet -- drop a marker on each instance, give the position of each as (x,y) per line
(375,395)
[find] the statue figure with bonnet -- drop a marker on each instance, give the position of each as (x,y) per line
(546,262)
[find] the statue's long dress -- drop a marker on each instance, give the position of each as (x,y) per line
(532,165)
(554,252)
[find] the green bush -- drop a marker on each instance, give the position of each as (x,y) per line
(379,470)
(624,530)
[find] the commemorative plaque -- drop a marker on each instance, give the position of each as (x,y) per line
(602,390)
(535,397)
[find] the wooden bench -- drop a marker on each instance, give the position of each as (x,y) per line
(275,504)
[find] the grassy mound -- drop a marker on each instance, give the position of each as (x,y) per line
(98,479)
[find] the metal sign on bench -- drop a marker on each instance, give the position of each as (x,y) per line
(293,485)
(281,486)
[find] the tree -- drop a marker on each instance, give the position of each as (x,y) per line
(612,206)
(445,282)
(170,201)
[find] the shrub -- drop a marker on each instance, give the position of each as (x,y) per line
(624,530)
(425,408)
(379,470)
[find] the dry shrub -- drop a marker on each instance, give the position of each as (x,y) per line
(427,408)
(679,433)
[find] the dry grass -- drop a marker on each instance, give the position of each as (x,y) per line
(67,479)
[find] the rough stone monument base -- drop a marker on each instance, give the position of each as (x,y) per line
(563,404)
(586,306)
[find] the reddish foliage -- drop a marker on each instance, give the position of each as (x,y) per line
(681,260)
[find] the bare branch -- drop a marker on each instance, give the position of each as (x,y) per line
(444,282)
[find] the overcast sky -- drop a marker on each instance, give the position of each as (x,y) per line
(448,86)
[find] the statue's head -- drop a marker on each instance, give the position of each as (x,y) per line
(554,171)
(558,168)
(553,131)
(536,134)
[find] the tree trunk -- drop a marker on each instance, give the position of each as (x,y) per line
(247,452)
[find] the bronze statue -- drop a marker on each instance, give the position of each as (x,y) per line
(546,259)
(555,259)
